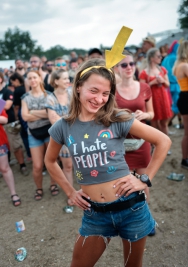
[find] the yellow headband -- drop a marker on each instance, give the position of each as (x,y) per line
(93,67)
(115,55)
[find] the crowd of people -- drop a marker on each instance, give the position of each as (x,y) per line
(73,114)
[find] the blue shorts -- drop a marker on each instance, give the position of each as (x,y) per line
(33,142)
(130,224)
(3,150)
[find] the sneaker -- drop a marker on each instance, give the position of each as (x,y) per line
(184,163)
(152,233)
(24,171)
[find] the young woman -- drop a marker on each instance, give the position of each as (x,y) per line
(181,73)
(110,196)
(4,165)
(58,105)
(157,79)
(34,112)
(137,97)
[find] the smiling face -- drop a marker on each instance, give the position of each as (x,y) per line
(63,82)
(126,67)
(93,94)
(34,80)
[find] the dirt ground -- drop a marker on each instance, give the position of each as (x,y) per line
(50,233)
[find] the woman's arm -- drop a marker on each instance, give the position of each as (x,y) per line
(154,81)
(162,144)
(57,174)
(26,115)
(42,114)
(3,120)
(53,116)
(163,80)
(8,104)
(148,115)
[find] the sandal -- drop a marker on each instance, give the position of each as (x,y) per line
(175,176)
(15,201)
(54,190)
(38,195)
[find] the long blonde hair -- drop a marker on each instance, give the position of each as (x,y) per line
(108,113)
(56,75)
(41,83)
(182,54)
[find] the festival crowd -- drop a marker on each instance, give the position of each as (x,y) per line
(151,83)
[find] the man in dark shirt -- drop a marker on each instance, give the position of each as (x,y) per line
(18,82)
(20,67)
(13,137)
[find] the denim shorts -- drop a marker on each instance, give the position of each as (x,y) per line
(3,150)
(130,224)
(33,142)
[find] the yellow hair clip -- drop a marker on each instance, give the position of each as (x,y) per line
(114,55)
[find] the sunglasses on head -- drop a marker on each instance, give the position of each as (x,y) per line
(63,64)
(125,65)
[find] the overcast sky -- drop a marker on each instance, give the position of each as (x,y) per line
(85,23)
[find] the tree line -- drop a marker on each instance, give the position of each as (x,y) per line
(19,44)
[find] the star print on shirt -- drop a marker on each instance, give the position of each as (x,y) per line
(86,136)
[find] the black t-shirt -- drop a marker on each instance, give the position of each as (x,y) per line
(18,93)
(48,86)
(7,94)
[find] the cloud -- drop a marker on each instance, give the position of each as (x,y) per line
(23,12)
(86,24)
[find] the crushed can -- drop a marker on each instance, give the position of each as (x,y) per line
(21,254)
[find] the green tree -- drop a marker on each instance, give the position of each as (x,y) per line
(183,12)
(18,44)
(55,51)
(59,51)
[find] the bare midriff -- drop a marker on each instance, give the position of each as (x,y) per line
(104,192)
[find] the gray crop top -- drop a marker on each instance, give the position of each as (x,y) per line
(97,151)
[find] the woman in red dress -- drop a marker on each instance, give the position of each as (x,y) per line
(157,79)
(4,165)
(137,97)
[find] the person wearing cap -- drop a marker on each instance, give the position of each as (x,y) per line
(95,53)
(148,43)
